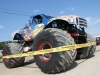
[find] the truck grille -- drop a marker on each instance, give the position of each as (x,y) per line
(82,22)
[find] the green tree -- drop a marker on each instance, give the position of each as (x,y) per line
(2,45)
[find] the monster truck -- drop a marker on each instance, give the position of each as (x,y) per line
(43,32)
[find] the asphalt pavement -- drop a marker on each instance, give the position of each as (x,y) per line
(89,66)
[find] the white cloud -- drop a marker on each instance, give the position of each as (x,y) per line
(93,31)
(62,12)
(97,33)
(96,21)
(93,26)
(92,21)
(1,26)
(88,19)
(71,8)
(35,11)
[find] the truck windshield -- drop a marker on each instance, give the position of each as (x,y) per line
(47,16)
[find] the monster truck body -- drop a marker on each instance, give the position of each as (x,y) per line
(43,32)
(72,24)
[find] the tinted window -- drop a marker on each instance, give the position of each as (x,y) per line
(37,19)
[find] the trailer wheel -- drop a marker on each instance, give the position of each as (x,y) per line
(10,49)
(58,61)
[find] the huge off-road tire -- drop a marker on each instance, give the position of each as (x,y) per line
(86,52)
(91,48)
(58,61)
(10,49)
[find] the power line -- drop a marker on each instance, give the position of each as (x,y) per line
(14,13)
